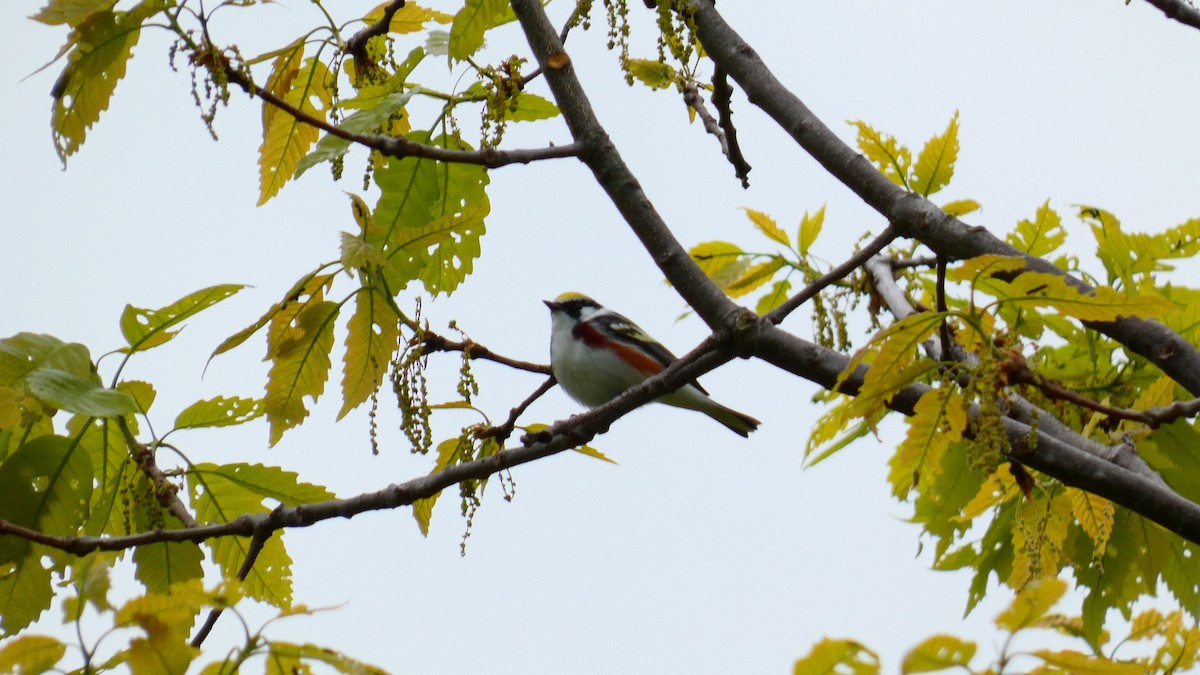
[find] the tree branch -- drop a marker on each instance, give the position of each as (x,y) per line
(563,435)
(432,342)
(877,244)
(1179,10)
(396,146)
(913,215)
(613,175)
(722,99)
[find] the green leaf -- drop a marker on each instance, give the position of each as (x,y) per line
(300,341)
(309,286)
(1078,663)
(892,159)
(71,12)
(222,493)
(972,269)
(219,412)
(85,396)
(774,298)
(46,485)
(960,207)
(447,454)
(836,657)
(939,419)
(285,138)
(411,18)
(372,120)
(754,277)
(25,353)
(810,229)
(142,392)
(530,108)
(147,328)
(431,218)
(31,654)
(282,654)
(1031,604)
(766,224)
(470,24)
(1042,289)
(373,337)
(1040,236)
(935,164)
(720,261)
(939,652)
(652,73)
(100,47)
(161,564)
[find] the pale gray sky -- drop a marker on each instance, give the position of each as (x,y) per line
(700,552)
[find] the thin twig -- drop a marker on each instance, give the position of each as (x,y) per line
(790,305)
(396,146)
(164,491)
(691,96)
(356,46)
(256,546)
(432,342)
(502,432)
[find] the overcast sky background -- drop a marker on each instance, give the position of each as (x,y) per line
(701,552)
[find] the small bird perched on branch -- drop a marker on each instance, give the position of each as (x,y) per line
(596,354)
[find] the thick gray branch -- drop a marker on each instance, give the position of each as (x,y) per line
(912,215)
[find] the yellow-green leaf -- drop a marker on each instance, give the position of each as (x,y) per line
(935,164)
(31,654)
(1078,663)
(146,328)
(410,18)
(755,276)
(282,654)
(720,261)
(939,652)
(774,297)
(972,268)
(219,412)
(653,74)
(1040,236)
(531,107)
(938,420)
(1042,289)
(960,207)
(100,48)
(70,12)
(766,224)
(373,337)
(1031,604)
(470,24)
(1094,515)
(285,138)
(447,454)
(222,493)
(810,229)
(892,159)
(836,657)
(300,341)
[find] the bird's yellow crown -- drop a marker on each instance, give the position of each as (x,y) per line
(571,295)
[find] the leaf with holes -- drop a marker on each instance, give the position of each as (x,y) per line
(147,328)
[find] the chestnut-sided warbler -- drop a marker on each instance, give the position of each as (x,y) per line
(596,354)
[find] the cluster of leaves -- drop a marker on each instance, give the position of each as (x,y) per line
(89,474)
(161,622)
(1173,643)
(1001,520)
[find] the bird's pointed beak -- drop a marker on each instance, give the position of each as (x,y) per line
(554,306)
